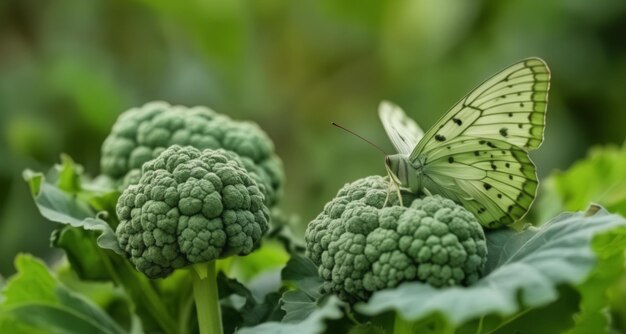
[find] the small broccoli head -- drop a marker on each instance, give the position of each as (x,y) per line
(190,206)
(141,134)
(361,247)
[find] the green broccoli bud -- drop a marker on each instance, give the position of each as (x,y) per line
(361,247)
(141,134)
(190,206)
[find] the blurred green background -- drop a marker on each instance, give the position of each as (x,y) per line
(69,67)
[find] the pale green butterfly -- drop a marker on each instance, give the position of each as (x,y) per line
(477,153)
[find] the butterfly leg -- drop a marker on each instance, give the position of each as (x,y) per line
(388,193)
(399,195)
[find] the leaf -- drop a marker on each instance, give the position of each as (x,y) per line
(297,306)
(314,323)
(69,175)
(74,211)
(82,252)
(34,297)
(271,255)
(242,308)
(302,272)
(523,271)
(367,329)
(599,178)
(609,249)
(61,207)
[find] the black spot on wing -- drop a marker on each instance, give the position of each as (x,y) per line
(440,138)
(457,121)
(487,186)
(450,159)
(504,132)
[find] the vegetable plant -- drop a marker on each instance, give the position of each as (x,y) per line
(182,233)
(361,247)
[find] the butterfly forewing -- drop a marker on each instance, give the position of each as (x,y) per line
(510,106)
(492,178)
(403,131)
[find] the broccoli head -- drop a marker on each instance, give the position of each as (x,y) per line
(141,134)
(361,247)
(190,206)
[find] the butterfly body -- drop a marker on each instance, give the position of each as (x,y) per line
(477,153)
(407,174)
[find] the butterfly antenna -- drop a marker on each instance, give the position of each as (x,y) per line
(354,134)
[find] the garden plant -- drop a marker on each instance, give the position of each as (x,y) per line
(183,231)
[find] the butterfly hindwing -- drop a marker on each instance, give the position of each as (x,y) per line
(403,131)
(493,179)
(510,106)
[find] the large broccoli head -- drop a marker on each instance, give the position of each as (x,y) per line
(190,206)
(140,134)
(361,247)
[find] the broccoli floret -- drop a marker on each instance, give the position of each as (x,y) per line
(361,247)
(141,134)
(189,207)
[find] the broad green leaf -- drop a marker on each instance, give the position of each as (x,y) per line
(271,255)
(297,306)
(69,175)
(609,249)
(34,297)
(302,273)
(61,207)
(523,272)
(82,252)
(241,308)
(599,178)
(76,212)
(314,323)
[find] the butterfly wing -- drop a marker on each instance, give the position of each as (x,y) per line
(477,153)
(510,106)
(493,179)
(403,131)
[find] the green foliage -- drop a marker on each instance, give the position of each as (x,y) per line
(141,134)
(599,178)
(523,272)
(33,301)
(547,279)
(59,204)
(362,247)
(66,196)
(560,270)
(313,323)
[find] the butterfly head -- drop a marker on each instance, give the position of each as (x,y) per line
(395,165)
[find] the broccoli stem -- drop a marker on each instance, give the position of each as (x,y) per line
(207,299)
(402,326)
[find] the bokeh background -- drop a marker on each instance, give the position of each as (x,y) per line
(69,67)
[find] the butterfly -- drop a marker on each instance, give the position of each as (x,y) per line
(477,153)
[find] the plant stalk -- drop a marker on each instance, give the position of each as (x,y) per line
(402,326)
(207,299)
